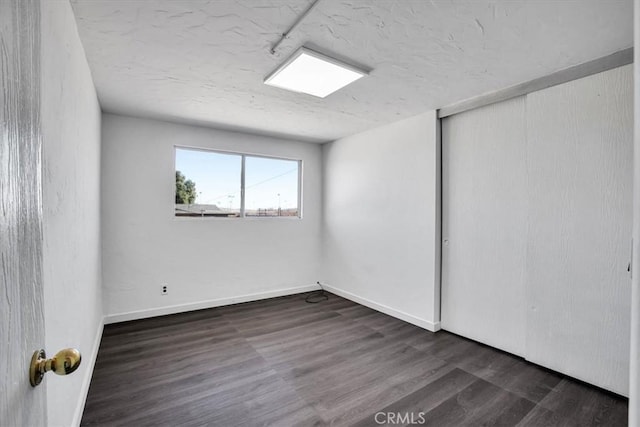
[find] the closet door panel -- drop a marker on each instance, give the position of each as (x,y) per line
(579,164)
(484,224)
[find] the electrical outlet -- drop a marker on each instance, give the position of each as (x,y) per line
(164,290)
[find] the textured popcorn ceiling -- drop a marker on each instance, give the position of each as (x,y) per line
(203,62)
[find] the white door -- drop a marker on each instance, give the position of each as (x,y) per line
(580,167)
(537,215)
(21,305)
(484,224)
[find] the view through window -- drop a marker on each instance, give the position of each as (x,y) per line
(230,185)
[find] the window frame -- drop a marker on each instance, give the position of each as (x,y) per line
(243,156)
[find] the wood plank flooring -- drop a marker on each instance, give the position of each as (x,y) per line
(285,362)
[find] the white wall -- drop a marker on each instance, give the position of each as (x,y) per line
(381,219)
(71,207)
(204,261)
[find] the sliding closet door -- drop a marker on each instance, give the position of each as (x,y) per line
(484,224)
(580,152)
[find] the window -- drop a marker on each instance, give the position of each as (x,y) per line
(234,185)
(271,187)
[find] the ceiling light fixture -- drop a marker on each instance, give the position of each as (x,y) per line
(313,73)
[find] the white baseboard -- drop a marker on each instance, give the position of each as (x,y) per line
(423,323)
(86,382)
(181,308)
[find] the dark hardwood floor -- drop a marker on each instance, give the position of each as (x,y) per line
(285,362)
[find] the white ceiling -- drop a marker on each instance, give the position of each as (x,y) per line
(203,62)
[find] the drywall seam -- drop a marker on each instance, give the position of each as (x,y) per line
(423,323)
(182,308)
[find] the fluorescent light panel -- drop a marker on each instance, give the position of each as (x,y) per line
(313,73)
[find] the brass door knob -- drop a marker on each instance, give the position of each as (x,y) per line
(63,363)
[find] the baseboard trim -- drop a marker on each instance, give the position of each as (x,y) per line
(423,323)
(181,308)
(86,382)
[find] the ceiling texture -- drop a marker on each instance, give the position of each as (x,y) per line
(203,62)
